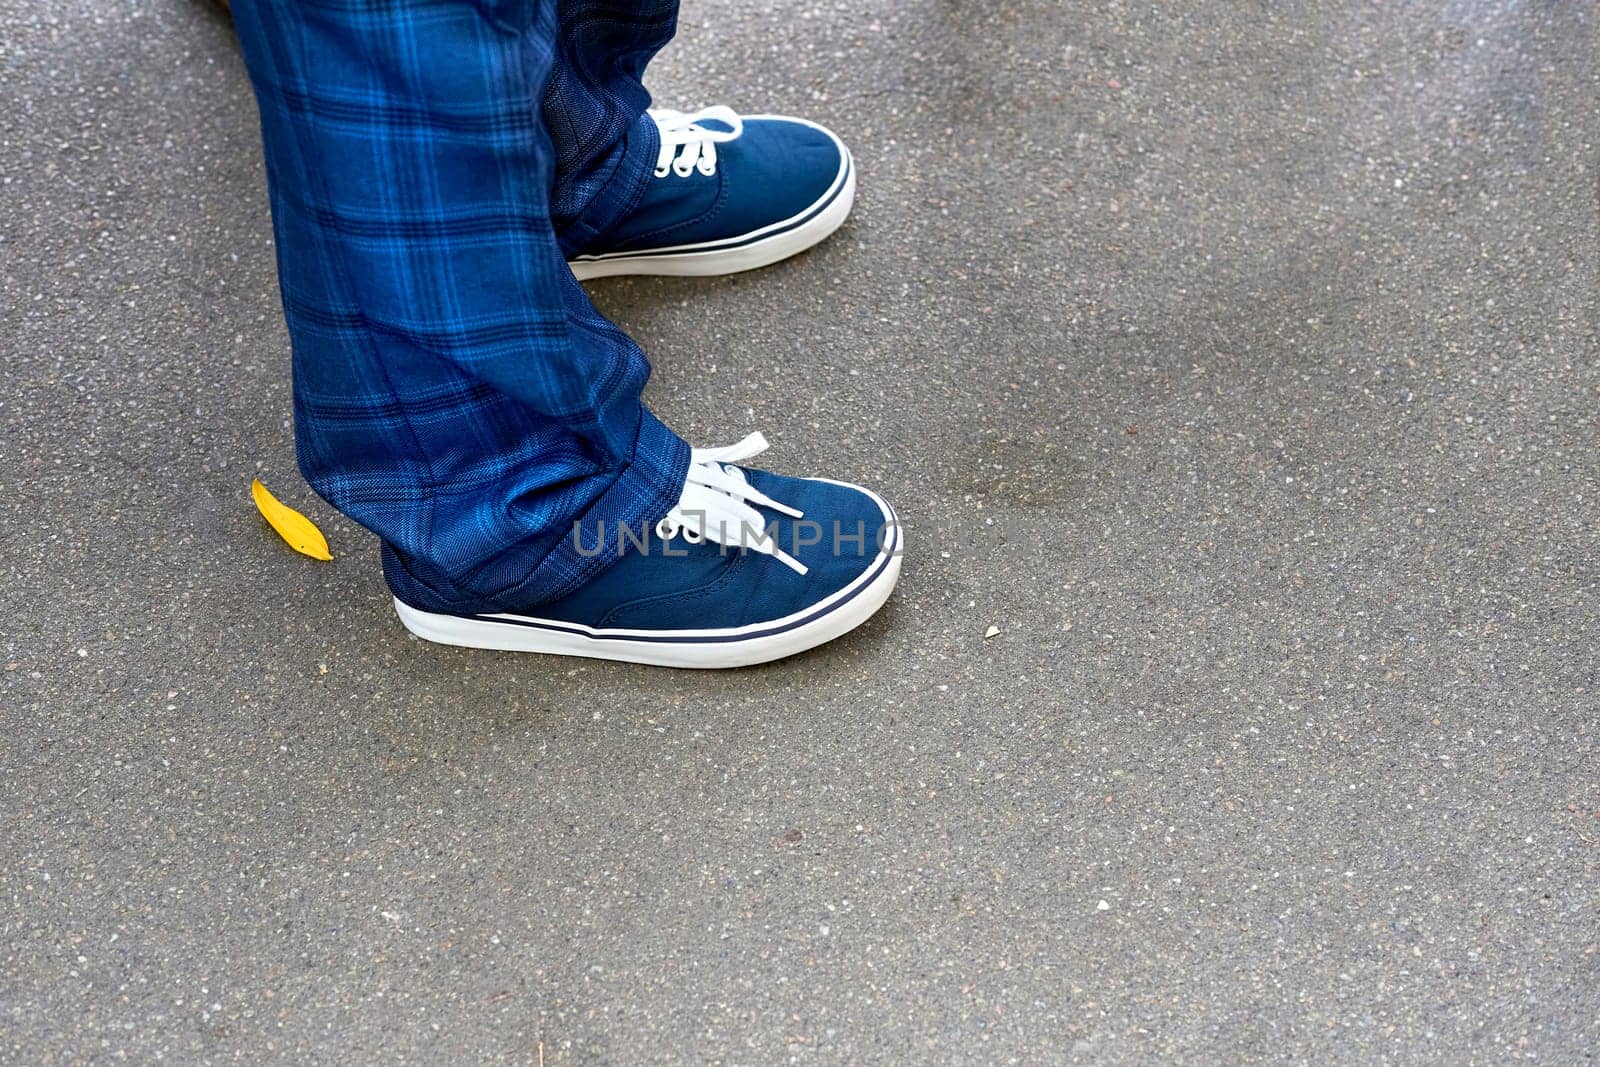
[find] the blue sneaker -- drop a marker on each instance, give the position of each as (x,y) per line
(747,567)
(729,194)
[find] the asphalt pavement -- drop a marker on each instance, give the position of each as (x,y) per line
(1239,363)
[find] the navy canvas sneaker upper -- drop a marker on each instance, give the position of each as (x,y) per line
(728,193)
(677,583)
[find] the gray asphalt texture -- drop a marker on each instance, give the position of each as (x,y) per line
(1238,362)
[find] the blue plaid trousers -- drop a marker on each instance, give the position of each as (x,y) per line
(429,165)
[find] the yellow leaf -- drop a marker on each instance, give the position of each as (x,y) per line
(300,532)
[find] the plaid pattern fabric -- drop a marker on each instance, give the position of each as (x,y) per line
(594,110)
(455,391)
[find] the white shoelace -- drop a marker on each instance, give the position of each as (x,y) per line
(718,503)
(686,146)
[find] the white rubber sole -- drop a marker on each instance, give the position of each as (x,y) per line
(742,646)
(758,248)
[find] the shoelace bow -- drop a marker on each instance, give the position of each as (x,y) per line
(718,503)
(687,146)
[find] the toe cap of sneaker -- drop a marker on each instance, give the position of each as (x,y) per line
(844,532)
(783,167)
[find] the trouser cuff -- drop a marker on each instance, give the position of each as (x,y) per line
(620,194)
